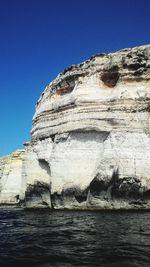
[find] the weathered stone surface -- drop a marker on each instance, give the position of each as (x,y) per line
(91,137)
(11,182)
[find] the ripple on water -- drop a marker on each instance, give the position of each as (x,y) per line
(44,238)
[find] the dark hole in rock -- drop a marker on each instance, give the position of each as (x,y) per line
(45,166)
(96,186)
(41,138)
(81,198)
(76,192)
(37,188)
(138,72)
(53,137)
(68,194)
(64,90)
(134,66)
(137,202)
(56,199)
(146,194)
(103,188)
(129,56)
(37,194)
(65,87)
(17,198)
(110,78)
(129,187)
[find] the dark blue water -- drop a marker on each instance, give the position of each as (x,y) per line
(79,238)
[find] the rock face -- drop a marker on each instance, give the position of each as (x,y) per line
(90,146)
(12,186)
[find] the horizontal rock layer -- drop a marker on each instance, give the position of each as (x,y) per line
(90,138)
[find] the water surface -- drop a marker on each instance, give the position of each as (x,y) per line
(74,238)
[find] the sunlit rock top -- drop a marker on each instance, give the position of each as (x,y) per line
(105,93)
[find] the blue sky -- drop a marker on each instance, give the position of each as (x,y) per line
(39,38)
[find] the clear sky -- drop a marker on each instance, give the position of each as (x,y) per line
(39,38)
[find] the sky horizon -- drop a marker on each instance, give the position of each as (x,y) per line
(40,38)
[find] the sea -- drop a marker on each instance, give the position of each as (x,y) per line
(45,238)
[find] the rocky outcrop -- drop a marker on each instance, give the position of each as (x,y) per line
(90,137)
(12,186)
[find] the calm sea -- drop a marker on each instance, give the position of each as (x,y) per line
(74,238)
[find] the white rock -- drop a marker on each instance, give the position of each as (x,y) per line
(90,137)
(11,182)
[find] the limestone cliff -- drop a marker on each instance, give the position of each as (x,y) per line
(90,138)
(11,183)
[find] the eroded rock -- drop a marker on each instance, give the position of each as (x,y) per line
(90,138)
